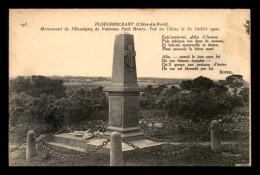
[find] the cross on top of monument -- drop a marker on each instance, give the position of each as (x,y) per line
(124,75)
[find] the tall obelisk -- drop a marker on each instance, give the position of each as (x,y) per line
(124,91)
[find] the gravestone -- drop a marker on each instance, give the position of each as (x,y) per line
(124,91)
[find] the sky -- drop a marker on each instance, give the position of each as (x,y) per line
(86,53)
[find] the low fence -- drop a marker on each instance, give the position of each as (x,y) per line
(116,158)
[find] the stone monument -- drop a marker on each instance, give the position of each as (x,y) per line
(123,95)
(124,91)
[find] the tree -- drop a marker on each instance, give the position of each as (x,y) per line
(234,82)
(20,84)
(157,91)
(148,89)
(186,85)
(198,84)
(204,100)
(19,108)
(173,90)
(245,95)
(147,101)
(49,86)
(37,85)
(82,104)
(202,84)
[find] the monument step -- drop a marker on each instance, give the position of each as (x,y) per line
(71,140)
(71,150)
(63,148)
(69,143)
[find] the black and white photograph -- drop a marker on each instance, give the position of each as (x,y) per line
(129,87)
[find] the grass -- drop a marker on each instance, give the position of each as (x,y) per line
(195,156)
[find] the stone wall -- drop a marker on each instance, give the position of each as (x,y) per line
(237,123)
(229,123)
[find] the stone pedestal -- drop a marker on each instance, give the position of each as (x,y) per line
(124,91)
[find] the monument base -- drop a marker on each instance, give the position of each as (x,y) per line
(67,143)
(131,133)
